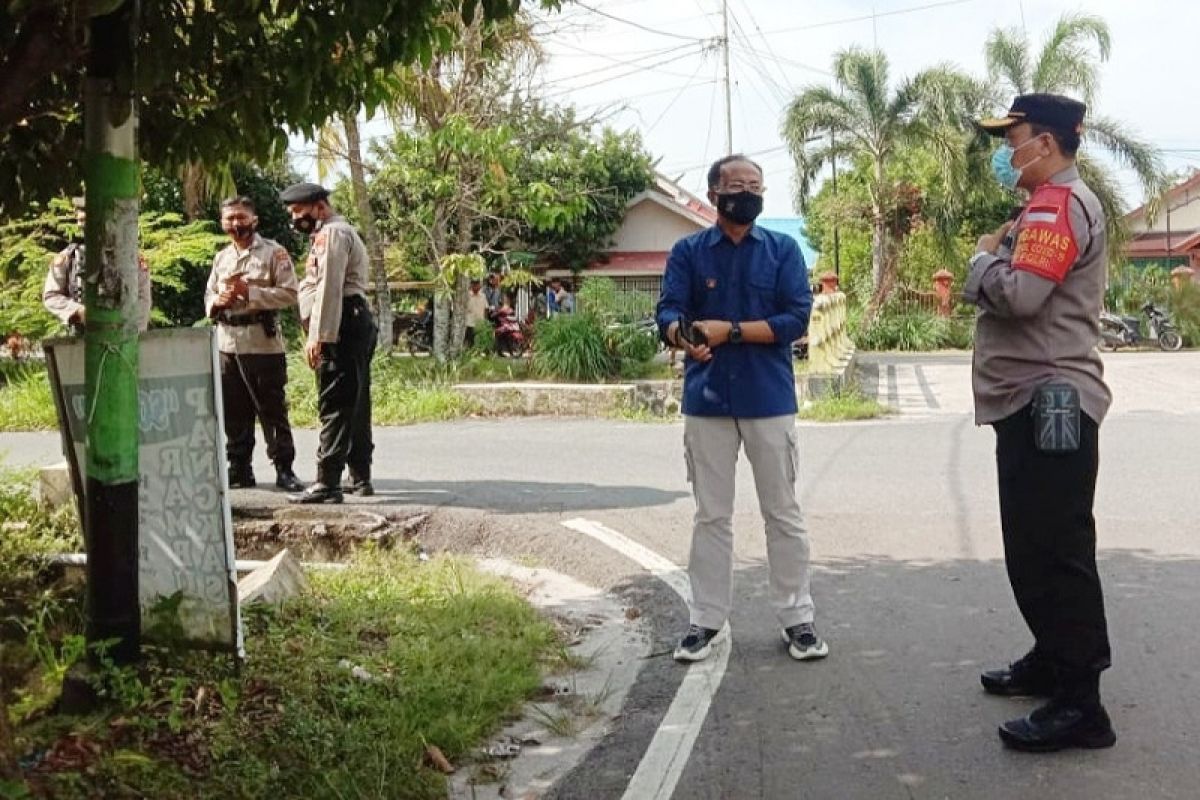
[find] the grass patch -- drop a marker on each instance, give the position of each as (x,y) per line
(842,405)
(449,655)
(25,402)
(404,390)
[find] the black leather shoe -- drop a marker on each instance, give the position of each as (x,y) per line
(241,478)
(360,488)
(1057,726)
(286,479)
(1027,677)
(317,493)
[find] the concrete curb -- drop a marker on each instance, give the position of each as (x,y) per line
(611,642)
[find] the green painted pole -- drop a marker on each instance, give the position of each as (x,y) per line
(111,343)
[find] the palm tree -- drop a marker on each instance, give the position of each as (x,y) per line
(864,119)
(1069,63)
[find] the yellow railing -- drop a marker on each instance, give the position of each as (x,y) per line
(829,345)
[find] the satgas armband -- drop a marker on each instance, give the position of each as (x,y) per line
(1045,244)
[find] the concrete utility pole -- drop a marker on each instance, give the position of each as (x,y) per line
(111,337)
(728,91)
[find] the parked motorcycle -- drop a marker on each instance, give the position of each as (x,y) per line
(510,339)
(419,333)
(1117,331)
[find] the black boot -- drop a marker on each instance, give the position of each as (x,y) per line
(1073,718)
(1028,676)
(359,484)
(318,493)
(241,476)
(286,479)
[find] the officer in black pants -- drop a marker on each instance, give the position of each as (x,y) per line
(1039,283)
(341,338)
(252,279)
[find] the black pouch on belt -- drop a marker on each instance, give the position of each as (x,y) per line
(1056,418)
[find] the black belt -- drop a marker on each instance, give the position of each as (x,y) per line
(239,322)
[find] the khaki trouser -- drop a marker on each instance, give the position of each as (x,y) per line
(711,445)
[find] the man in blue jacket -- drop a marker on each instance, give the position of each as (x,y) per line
(734,298)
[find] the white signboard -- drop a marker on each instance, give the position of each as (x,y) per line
(186,573)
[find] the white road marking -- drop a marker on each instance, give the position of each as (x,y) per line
(664,760)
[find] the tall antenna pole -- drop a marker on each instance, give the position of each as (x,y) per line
(728,95)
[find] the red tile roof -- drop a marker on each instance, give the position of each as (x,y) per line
(1189,185)
(1155,243)
(634,261)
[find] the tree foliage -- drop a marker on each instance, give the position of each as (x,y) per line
(179,256)
(864,118)
(479,167)
(216,80)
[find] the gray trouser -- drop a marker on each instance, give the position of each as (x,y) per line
(711,445)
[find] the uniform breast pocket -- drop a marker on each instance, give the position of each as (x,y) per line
(761,293)
(258,273)
(706,296)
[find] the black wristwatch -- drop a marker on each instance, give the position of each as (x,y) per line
(735,333)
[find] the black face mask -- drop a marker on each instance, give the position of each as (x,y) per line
(305,224)
(243,232)
(741,208)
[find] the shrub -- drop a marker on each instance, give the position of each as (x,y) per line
(573,347)
(633,343)
(904,330)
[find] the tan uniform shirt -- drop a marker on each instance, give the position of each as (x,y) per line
(62,294)
(337,268)
(1031,329)
(271,278)
(477,306)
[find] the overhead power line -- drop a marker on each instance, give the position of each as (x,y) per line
(672,54)
(645,68)
(869,17)
(640,26)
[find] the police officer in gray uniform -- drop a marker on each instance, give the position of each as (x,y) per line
(252,279)
(1038,381)
(62,294)
(341,338)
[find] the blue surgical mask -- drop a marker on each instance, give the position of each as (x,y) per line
(1002,167)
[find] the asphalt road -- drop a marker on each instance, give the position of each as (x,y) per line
(909,587)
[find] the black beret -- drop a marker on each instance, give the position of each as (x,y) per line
(1052,110)
(303,193)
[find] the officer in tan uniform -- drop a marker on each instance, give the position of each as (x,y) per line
(62,294)
(1038,380)
(341,337)
(251,280)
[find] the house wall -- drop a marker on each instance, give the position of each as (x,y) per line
(1185,216)
(650,227)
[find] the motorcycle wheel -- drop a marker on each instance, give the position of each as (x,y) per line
(1170,341)
(1106,345)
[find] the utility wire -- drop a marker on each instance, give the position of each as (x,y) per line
(751,67)
(798,65)
(646,68)
(675,99)
(673,54)
(869,17)
(749,13)
(752,58)
(639,25)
